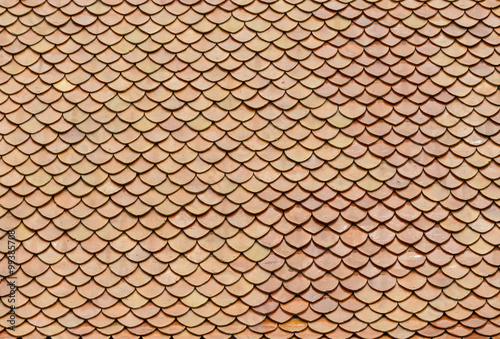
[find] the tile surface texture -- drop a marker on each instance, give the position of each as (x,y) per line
(251,168)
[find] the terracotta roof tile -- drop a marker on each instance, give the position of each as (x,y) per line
(149,198)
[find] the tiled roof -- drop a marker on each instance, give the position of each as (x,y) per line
(251,168)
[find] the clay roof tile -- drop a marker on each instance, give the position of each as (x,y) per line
(367,173)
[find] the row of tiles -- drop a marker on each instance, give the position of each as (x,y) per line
(474,7)
(226,51)
(44,18)
(338,89)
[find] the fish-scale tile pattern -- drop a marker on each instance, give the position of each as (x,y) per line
(251,168)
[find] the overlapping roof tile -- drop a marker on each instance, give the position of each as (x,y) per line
(251,168)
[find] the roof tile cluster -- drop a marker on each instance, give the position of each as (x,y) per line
(251,168)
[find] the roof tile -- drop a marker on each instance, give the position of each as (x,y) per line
(403,105)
